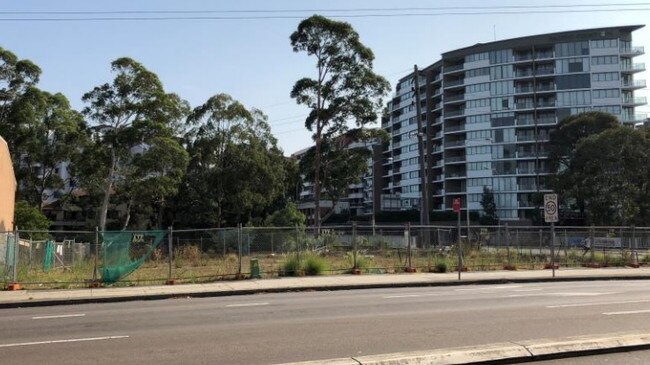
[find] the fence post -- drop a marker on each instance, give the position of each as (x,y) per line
(170,249)
(239,250)
(635,254)
(507,243)
(96,255)
(16,249)
(355,270)
(223,241)
(409,267)
(553,248)
(272,251)
(592,243)
(541,235)
(298,245)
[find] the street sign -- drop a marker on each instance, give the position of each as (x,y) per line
(550,208)
(456,205)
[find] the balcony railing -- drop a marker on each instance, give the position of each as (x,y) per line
(455,128)
(454,113)
(632,50)
(635,83)
(531,121)
(640,100)
(453,68)
(454,98)
(455,159)
(633,67)
(455,143)
(454,83)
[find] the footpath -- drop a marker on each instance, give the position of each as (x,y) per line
(31,298)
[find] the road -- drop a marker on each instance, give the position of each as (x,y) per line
(276,328)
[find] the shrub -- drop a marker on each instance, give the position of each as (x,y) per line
(290,267)
(315,265)
(363,262)
(440,266)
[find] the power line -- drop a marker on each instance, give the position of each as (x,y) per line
(276,11)
(280,17)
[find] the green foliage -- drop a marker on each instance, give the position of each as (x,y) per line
(363,262)
(489,207)
(344,89)
(16,76)
(289,216)
(290,267)
(314,265)
(27,217)
(236,169)
(132,114)
(440,266)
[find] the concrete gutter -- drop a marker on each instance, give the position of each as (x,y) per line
(36,298)
(505,353)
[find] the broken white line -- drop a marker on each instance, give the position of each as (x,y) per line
(627,312)
(593,304)
(62,341)
(60,316)
(246,305)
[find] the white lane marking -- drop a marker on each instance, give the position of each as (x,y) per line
(594,304)
(627,312)
(404,296)
(62,341)
(558,295)
(245,305)
(60,316)
(490,288)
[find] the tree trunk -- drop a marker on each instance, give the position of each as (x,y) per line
(107,193)
(317,182)
(128,214)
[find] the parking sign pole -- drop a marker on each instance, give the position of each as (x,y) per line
(553,247)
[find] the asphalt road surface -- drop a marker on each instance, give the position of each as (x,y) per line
(276,328)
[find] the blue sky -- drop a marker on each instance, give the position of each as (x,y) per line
(252,59)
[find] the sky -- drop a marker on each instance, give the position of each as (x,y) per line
(252,59)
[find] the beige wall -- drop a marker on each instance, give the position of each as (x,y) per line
(7,188)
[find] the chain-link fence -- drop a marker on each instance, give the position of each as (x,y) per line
(62,259)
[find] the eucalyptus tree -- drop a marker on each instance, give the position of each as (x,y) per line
(345,88)
(131,113)
(236,169)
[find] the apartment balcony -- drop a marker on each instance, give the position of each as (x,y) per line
(527,121)
(437,178)
(454,113)
(636,84)
(637,118)
(455,144)
(526,171)
(529,138)
(456,191)
(454,83)
(527,154)
(454,98)
(439,192)
(530,105)
(640,100)
(636,67)
(454,159)
(437,135)
(456,175)
(455,128)
(632,51)
(453,68)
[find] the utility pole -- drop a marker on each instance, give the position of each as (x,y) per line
(424,196)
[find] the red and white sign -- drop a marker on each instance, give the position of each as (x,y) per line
(456,205)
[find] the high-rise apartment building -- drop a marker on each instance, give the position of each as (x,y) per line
(488,111)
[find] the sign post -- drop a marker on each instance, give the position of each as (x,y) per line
(551,216)
(456,207)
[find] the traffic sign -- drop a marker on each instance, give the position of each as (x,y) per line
(456,205)
(550,208)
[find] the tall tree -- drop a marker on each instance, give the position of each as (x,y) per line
(345,88)
(235,170)
(611,171)
(129,113)
(48,134)
(16,76)
(562,148)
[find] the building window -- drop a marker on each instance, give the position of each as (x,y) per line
(612,109)
(476,57)
(606,93)
(604,60)
(568,98)
(501,56)
(572,49)
(606,76)
(605,43)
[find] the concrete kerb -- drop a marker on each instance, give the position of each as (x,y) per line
(96,296)
(505,353)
